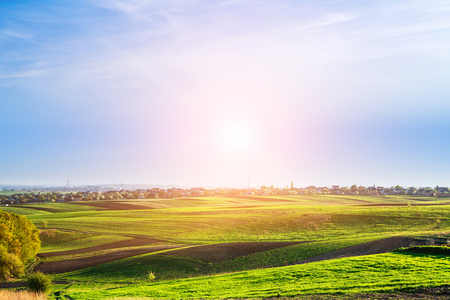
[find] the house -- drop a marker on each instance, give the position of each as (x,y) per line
(442,190)
(373,192)
(335,190)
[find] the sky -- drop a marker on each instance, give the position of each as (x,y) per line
(225,93)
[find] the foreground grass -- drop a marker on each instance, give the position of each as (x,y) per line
(21,295)
(380,273)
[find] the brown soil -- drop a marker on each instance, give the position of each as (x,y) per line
(12,284)
(113,205)
(264,199)
(64,266)
(222,252)
(375,247)
(35,207)
(120,244)
(406,204)
(212,253)
(442,292)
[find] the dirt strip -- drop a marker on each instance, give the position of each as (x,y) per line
(222,252)
(375,247)
(120,244)
(113,205)
(62,266)
(407,204)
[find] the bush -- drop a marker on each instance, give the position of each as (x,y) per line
(10,265)
(39,282)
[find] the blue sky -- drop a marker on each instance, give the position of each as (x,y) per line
(216,93)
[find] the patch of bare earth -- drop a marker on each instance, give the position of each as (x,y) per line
(114,205)
(407,204)
(64,266)
(375,247)
(442,292)
(265,199)
(120,244)
(35,207)
(222,252)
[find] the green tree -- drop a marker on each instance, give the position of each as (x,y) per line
(19,242)
(362,190)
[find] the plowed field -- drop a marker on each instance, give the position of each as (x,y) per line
(63,266)
(120,244)
(213,253)
(222,252)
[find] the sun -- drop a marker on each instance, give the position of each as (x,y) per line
(236,136)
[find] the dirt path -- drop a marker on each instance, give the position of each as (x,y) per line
(406,204)
(375,247)
(63,266)
(120,244)
(222,252)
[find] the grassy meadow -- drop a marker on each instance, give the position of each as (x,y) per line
(324,223)
(369,274)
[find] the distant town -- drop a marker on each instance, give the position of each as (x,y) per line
(21,195)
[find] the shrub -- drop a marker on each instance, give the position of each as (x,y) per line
(39,282)
(10,264)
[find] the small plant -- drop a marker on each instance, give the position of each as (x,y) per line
(438,223)
(39,282)
(151,276)
(44,224)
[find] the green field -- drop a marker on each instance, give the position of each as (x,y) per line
(369,274)
(326,223)
(7,193)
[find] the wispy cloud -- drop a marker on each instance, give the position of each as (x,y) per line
(132,7)
(404,26)
(15,34)
(25,74)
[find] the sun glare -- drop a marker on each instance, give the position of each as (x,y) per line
(236,136)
